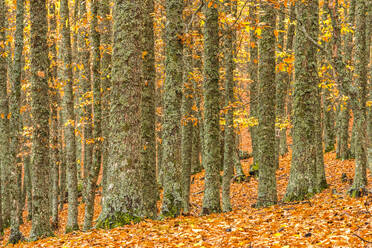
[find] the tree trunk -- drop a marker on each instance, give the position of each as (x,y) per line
(93,171)
(106,42)
(212,154)
(68,118)
(148,153)
(4,122)
(359,107)
(171,130)
(303,181)
(54,103)
(268,163)
(281,90)
(229,143)
(123,199)
(86,96)
(40,116)
(253,74)
(16,127)
(187,122)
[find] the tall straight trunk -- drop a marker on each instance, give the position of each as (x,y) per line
(289,50)
(253,74)
(85,91)
(171,142)
(93,171)
(148,154)
(54,103)
(197,143)
(369,111)
(160,74)
(229,144)
(359,107)
(105,69)
(267,194)
(123,200)
(212,154)
(187,123)
(68,118)
(343,138)
(329,121)
(40,117)
(3,111)
(303,180)
(281,90)
(15,124)
(76,86)
(4,122)
(62,165)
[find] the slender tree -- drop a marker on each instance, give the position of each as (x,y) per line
(4,121)
(212,154)
(187,102)
(105,71)
(54,103)
(229,144)
(93,170)
(85,91)
(253,75)
(281,88)
(68,118)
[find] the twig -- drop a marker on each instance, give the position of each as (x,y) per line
(356,235)
(193,15)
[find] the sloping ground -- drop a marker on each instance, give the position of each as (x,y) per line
(330,219)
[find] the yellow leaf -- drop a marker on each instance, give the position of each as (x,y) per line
(277,234)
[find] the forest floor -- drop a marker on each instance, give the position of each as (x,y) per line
(329,219)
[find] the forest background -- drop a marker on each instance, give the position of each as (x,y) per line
(255,115)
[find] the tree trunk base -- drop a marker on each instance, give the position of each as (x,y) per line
(116,220)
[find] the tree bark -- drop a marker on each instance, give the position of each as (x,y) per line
(40,116)
(68,118)
(267,194)
(171,129)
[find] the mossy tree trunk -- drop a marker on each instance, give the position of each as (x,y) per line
(187,102)
(171,131)
(343,139)
(15,124)
(68,119)
(253,74)
(303,180)
(281,88)
(3,112)
(359,107)
(148,153)
(369,110)
(229,144)
(105,71)
(267,194)
(85,91)
(93,171)
(212,154)
(123,201)
(197,143)
(4,121)
(54,104)
(40,116)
